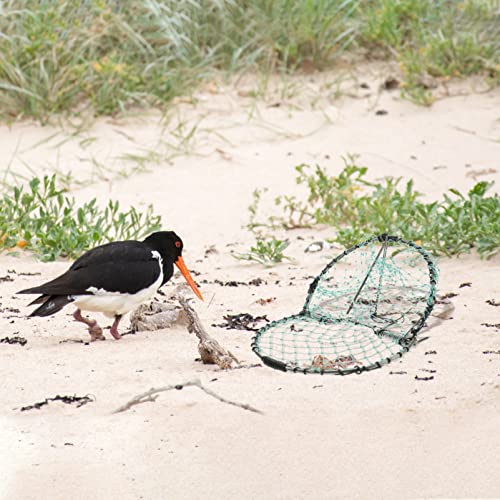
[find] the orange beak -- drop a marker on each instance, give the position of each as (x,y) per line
(184,270)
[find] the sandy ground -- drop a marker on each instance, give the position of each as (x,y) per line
(376,435)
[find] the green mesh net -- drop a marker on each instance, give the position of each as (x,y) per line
(363,310)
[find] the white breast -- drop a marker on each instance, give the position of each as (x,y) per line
(116,303)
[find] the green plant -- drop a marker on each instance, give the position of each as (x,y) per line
(357,209)
(434,39)
(61,56)
(43,219)
(308,32)
(266,252)
(65,57)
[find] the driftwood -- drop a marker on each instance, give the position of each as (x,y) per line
(211,352)
(159,315)
(152,395)
(154,316)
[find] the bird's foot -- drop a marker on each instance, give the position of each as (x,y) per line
(114,328)
(96,332)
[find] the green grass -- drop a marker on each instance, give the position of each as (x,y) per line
(435,38)
(358,209)
(265,251)
(105,56)
(62,56)
(42,218)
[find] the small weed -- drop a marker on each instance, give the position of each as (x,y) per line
(43,219)
(266,252)
(357,209)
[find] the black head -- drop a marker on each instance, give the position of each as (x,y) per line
(170,246)
(167,244)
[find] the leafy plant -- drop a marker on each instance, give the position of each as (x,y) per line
(266,252)
(357,209)
(45,220)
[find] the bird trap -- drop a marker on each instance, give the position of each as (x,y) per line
(363,310)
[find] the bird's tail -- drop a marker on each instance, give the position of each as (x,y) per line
(51,304)
(35,289)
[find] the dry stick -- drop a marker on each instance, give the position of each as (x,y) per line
(150,396)
(211,352)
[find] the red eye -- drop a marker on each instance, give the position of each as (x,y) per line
(178,244)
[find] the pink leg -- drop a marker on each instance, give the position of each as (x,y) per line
(94,329)
(114,328)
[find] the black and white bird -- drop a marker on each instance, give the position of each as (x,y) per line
(114,279)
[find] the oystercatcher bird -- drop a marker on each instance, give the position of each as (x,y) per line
(114,279)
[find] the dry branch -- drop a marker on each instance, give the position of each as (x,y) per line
(211,352)
(151,395)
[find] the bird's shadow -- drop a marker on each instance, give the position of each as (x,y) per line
(88,342)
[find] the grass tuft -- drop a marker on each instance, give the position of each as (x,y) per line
(266,251)
(59,56)
(434,39)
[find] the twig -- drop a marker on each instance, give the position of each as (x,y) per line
(211,352)
(256,365)
(150,396)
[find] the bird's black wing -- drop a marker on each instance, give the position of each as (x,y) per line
(125,267)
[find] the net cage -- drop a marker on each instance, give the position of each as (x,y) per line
(362,311)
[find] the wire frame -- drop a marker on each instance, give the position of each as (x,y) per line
(362,311)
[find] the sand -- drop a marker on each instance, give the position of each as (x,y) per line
(377,435)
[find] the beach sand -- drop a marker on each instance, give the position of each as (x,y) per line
(376,435)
